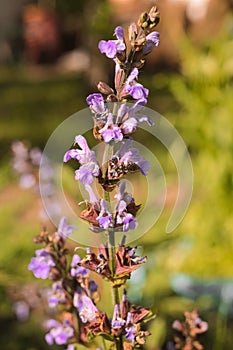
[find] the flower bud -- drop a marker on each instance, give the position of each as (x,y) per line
(118,76)
(154,16)
(143,19)
(111,98)
(104,88)
(133,30)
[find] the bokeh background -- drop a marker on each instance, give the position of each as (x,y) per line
(49,63)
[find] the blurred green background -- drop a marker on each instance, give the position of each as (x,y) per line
(190,80)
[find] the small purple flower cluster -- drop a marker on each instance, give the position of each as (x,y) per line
(100,218)
(187,331)
(115,123)
(77,294)
(26,162)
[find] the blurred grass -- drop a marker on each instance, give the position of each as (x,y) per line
(35,101)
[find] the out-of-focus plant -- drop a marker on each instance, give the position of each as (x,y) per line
(204,93)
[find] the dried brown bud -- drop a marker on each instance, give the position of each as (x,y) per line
(104,88)
(89,214)
(96,134)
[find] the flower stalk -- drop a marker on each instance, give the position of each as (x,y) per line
(114,123)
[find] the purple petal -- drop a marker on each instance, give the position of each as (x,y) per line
(76,259)
(92,286)
(61,339)
(81,141)
(105,221)
(93,198)
(129,222)
(87,172)
(49,339)
(133,75)
(96,102)
(129,126)
(119,32)
(152,40)
(71,154)
(138,92)
(65,230)
(108,47)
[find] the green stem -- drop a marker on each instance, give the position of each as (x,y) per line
(104,344)
(111,249)
(115,289)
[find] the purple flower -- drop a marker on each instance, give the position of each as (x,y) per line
(65,230)
(60,333)
(112,47)
(105,217)
(133,75)
(41,264)
(127,154)
(57,295)
(86,309)
(130,328)
(22,310)
(111,131)
(87,172)
(119,32)
(77,270)
(83,155)
(110,134)
(138,92)
(117,321)
(152,40)
(27,181)
(134,89)
(92,286)
(129,126)
(127,220)
(86,158)
(130,118)
(35,155)
(96,103)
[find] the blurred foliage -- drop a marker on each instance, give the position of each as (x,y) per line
(32,105)
(198,101)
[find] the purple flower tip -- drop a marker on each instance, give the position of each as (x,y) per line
(119,32)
